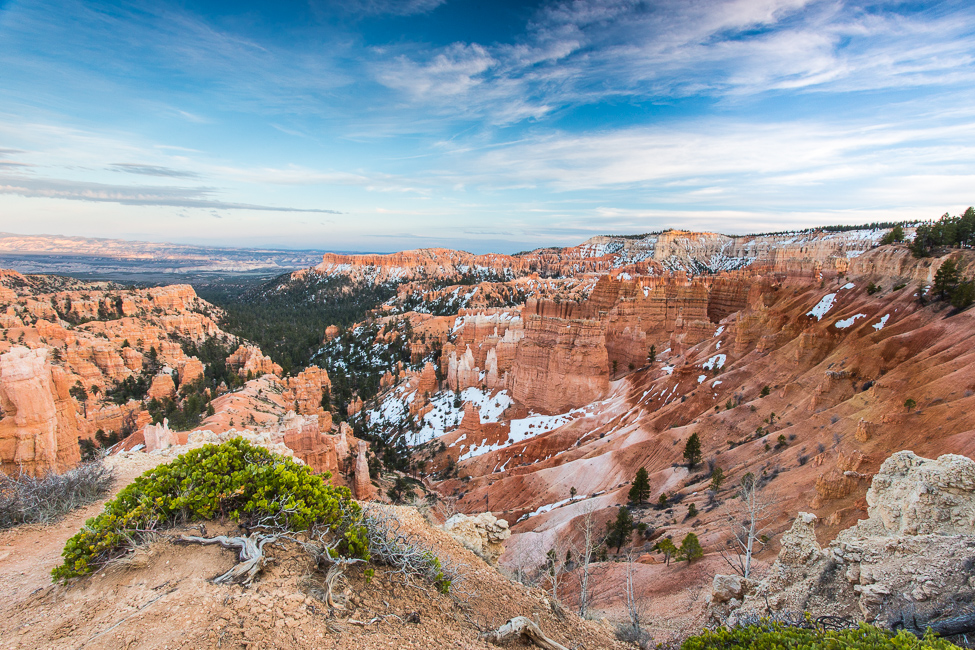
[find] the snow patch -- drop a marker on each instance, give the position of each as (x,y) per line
(717,361)
(846,322)
(883,321)
(525,428)
(550,506)
(824,306)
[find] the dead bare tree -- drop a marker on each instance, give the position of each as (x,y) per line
(445,507)
(408,555)
(633,631)
(591,539)
(555,568)
(747,518)
(528,562)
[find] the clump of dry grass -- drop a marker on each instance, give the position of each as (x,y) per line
(43,499)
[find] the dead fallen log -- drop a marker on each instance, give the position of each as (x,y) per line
(251,555)
(952,626)
(517,627)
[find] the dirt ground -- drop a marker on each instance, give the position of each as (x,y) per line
(162,597)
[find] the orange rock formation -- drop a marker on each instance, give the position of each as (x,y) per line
(39,430)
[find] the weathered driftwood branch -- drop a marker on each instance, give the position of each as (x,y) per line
(251,554)
(517,627)
(962,624)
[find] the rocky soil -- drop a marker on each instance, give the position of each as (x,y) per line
(161,598)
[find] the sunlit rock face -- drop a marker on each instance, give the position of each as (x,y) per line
(39,429)
(248,360)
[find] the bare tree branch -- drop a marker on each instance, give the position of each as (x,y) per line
(251,555)
(517,627)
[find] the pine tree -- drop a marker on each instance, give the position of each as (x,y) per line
(692,451)
(962,297)
(640,490)
(667,547)
(619,531)
(893,236)
(946,279)
(717,478)
(690,548)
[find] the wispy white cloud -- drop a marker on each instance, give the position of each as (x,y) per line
(377,7)
(182,197)
(152,170)
(728,152)
(579,52)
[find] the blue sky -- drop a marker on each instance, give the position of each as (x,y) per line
(487,126)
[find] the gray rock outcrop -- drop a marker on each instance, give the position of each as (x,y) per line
(915,551)
(484,534)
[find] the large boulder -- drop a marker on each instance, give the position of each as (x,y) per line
(484,534)
(915,551)
(725,587)
(917,496)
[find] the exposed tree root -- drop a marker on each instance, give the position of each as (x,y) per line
(521,626)
(332,565)
(251,555)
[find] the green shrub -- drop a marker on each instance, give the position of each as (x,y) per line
(772,636)
(235,480)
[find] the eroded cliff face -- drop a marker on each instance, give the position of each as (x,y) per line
(39,430)
(435,263)
(656,254)
(911,551)
(559,364)
(800,375)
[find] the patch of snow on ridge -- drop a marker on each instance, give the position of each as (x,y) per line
(526,428)
(550,506)
(846,322)
(883,321)
(701,379)
(720,329)
(822,307)
(668,369)
(717,361)
(848,285)
(444,416)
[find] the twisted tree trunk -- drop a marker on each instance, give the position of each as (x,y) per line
(521,626)
(251,555)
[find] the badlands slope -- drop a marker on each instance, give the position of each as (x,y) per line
(530,375)
(558,393)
